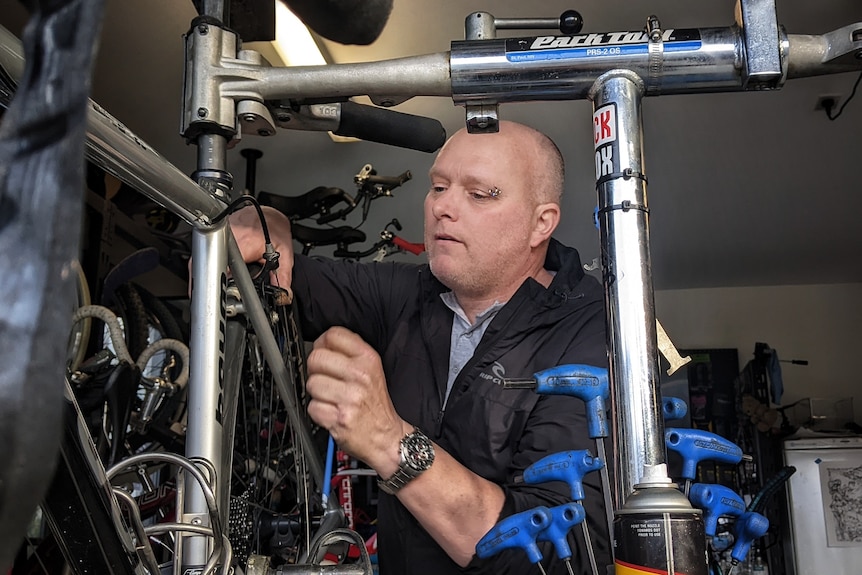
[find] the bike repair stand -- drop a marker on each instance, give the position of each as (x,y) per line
(654,527)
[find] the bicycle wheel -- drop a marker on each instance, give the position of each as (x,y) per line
(274,509)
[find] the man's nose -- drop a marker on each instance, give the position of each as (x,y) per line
(444,204)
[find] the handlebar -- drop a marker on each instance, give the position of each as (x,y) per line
(411,247)
(318,202)
(383,243)
(370,187)
(388,182)
(387,239)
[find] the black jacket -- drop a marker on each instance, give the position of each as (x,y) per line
(495,432)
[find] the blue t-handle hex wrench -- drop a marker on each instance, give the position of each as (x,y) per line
(749,526)
(517,531)
(715,501)
(570,468)
(590,384)
(563,518)
(696,445)
(673,408)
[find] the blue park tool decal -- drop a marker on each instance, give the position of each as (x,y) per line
(594,45)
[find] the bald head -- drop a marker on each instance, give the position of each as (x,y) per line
(541,160)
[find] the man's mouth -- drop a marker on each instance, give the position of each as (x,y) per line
(445,238)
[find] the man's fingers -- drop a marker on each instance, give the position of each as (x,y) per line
(342,368)
(342,340)
(330,382)
(325,361)
(323,413)
(335,404)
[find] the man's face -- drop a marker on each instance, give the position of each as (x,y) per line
(479,243)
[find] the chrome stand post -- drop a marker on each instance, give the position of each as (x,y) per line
(624,225)
(655,527)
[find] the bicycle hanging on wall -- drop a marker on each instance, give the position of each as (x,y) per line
(224,83)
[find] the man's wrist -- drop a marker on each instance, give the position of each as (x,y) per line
(392,452)
(416,455)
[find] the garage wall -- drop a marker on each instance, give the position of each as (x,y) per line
(819,323)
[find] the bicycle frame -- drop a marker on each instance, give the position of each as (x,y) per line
(614,70)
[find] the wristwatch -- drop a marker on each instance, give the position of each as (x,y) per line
(417,455)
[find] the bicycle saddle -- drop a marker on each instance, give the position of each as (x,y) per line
(318,201)
(311,237)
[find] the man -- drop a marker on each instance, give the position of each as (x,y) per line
(402,346)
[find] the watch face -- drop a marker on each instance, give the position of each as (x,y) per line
(418,451)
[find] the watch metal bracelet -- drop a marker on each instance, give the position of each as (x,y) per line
(417,455)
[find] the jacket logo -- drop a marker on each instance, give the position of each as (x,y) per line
(498,371)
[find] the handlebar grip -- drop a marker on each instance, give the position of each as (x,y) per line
(390,127)
(390,182)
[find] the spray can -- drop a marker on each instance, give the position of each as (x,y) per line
(658,531)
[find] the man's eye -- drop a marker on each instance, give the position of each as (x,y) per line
(438,189)
(482,194)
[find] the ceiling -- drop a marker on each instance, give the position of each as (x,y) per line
(745,189)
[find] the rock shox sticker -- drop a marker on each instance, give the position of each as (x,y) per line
(605,139)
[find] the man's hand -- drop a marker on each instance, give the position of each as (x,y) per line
(350,399)
(246,228)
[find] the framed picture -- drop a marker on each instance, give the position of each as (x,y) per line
(841,488)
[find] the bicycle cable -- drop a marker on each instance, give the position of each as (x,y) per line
(270,255)
(847,101)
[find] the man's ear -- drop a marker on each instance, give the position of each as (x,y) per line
(547,217)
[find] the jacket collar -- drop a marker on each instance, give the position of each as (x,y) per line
(566,286)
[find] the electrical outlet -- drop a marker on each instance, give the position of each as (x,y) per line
(835,100)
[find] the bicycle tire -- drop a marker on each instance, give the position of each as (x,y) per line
(274,508)
(80,334)
(134,315)
(160,315)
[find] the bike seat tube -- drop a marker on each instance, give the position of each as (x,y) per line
(204,438)
(207,396)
